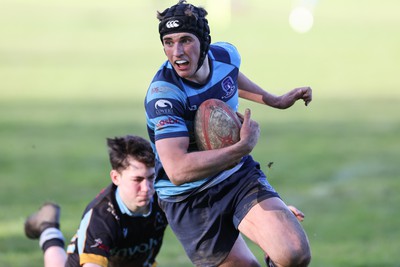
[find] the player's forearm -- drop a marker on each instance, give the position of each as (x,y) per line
(251,91)
(195,166)
(261,97)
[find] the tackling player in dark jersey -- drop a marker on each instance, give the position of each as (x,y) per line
(122,226)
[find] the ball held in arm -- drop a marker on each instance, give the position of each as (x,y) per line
(216,125)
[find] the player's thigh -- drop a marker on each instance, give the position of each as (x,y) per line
(271,225)
(240,256)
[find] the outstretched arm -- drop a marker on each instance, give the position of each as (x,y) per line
(251,91)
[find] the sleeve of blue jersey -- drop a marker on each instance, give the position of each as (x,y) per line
(232,51)
(165,110)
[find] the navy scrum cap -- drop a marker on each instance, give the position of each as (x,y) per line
(184,17)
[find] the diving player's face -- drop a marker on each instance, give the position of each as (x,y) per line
(136,185)
(183,52)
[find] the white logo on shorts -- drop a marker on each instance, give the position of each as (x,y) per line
(172,24)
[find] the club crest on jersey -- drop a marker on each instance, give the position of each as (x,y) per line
(159,223)
(163,107)
(125,232)
(264,182)
(228,86)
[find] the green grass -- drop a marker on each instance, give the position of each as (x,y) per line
(74,73)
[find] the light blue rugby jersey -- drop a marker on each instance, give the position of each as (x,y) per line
(171,104)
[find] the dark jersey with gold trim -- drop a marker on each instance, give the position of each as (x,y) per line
(109,238)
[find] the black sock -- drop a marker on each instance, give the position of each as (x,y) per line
(53,242)
(51,237)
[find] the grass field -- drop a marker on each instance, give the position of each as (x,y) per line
(73,73)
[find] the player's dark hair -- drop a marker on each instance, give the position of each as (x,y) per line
(184,17)
(120,149)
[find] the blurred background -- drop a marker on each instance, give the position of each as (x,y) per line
(75,72)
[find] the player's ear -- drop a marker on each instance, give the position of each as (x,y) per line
(115,177)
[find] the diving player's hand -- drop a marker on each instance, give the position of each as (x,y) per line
(299,215)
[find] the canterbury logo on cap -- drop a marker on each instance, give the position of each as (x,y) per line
(172,24)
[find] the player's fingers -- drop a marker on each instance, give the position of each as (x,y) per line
(307,99)
(306,95)
(299,215)
(246,117)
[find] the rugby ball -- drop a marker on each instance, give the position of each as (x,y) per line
(216,125)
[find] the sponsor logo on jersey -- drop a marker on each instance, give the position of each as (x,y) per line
(145,247)
(162,89)
(168,121)
(228,86)
(163,107)
(99,244)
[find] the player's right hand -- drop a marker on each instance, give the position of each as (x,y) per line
(249,132)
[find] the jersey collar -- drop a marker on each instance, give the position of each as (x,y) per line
(124,209)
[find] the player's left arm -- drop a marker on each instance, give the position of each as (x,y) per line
(251,91)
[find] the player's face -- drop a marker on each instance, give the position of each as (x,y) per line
(136,185)
(183,52)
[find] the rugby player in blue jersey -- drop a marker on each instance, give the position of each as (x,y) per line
(122,226)
(212,198)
